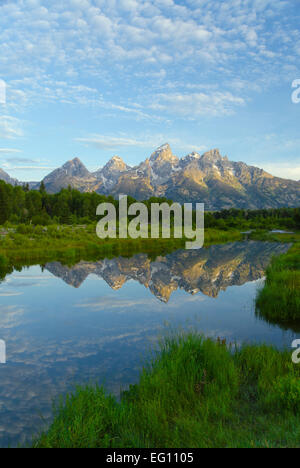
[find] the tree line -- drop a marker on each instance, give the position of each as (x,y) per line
(20,205)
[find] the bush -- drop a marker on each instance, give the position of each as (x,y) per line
(24,229)
(41,219)
(3,261)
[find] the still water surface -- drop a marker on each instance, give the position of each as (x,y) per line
(96,321)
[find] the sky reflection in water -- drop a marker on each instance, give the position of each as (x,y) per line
(96,322)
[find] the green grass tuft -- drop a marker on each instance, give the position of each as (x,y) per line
(195,392)
(279,301)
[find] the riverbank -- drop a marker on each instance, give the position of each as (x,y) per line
(25,244)
(195,392)
(279,301)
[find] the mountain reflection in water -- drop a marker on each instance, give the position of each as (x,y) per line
(100,329)
(206,270)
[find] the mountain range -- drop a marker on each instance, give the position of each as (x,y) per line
(208,178)
(206,270)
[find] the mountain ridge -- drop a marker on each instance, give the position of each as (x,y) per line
(209,178)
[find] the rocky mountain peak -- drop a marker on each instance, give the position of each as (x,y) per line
(211,178)
(111,172)
(194,155)
(112,169)
(163,153)
(212,156)
(75,168)
(191,157)
(116,163)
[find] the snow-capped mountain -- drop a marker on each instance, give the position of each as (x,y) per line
(209,178)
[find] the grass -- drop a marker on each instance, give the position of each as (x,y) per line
(24,245)
(264,235)
(279,301)
(71,243)
(194,392)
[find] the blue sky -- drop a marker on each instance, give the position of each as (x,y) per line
(94,78)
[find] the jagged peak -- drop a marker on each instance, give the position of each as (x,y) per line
(192,155)
(74,167)
(116,158)
(112,168)
(212,155)
(74,162)
(163,152)
(164,149)
(115,162)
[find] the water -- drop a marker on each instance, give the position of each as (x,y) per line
(95,322)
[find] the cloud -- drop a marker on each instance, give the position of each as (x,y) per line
(153,60)
(10,316)
(13,164)
(10,127)
(194,105)
(31,168)
(113,40)
(9,151)
(103,303)
(109,142)
(10,293)
(14,160)
(283,170)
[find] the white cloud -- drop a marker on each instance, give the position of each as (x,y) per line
(283,170)
(101,33)
(105,54)
(10,127)
(109,142)
(30,168)
(9,150)
(10,293)
(194,105)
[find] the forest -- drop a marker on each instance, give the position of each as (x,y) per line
(20,205)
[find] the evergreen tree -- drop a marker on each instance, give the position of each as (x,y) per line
(42,187)
(5,202)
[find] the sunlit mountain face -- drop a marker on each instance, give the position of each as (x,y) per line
(210,177)
(208,271)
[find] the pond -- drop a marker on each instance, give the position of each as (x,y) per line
(97,321)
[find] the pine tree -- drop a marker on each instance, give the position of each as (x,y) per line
(5,203)
(42,187)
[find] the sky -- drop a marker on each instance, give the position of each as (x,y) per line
(95,78)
